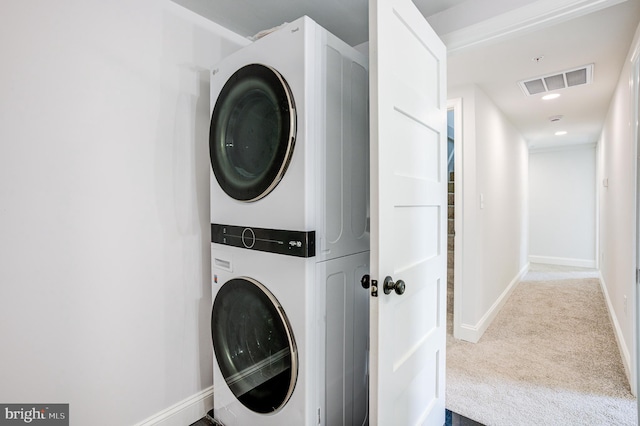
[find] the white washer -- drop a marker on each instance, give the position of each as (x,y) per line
(290,339)
(289,145)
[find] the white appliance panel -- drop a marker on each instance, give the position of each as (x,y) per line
(327,309)
(291,281)
(324,187)
(343,331)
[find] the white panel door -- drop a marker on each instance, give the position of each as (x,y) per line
(408,216)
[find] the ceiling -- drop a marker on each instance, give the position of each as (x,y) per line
(602,38)
(491,44)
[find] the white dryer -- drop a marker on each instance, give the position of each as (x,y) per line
(289,145)
(290,339)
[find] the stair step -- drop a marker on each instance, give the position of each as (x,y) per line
(451,200)
(451,188)
(451,212)
(450,226)
(450,243)
(451,176)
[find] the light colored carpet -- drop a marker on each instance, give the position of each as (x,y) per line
(549,358)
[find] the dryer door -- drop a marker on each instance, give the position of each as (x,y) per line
(252,133)
(254,345)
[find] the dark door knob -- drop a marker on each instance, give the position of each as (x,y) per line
(365,281)
(390,286)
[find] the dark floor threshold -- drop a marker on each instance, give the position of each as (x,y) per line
(455,419)
(451,419)
(205,421)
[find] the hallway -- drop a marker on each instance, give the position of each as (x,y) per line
(550,357)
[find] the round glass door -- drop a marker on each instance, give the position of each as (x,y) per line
(254,345)
(252,133)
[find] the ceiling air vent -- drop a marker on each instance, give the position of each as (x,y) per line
(556,81)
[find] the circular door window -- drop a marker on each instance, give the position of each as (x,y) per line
(252,134)
(254,345)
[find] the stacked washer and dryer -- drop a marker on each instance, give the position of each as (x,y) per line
(289,231)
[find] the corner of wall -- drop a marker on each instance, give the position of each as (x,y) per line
(473,332)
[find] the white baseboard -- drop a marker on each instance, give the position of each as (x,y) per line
(563,261)
(183,413)
(622,345)
(473,333)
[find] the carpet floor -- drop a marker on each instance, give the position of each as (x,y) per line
(549,358)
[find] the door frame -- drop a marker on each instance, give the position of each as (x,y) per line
(455,104)
(635,113)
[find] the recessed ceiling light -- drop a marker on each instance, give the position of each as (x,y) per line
(551,96)
(561,133)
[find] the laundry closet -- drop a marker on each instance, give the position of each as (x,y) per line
(289,150)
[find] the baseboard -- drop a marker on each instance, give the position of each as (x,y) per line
(622,345)
(473,333)
(563,261)
(183,413)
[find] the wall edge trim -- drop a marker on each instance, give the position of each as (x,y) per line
(622,345)
(185,412)
(473,333)
(562,261)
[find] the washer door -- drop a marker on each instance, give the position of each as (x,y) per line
(254,345)
(253,132)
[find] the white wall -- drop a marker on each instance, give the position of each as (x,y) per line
(493,232)
(562,206)
(104,206)
(616,163)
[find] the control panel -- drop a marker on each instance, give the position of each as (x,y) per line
(290,243)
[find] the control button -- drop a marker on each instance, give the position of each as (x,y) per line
(248,238)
